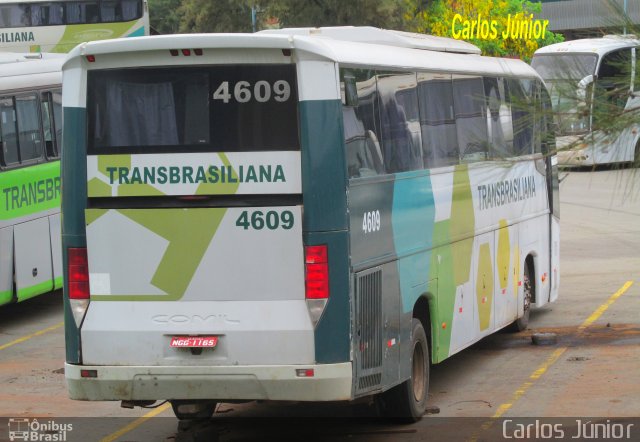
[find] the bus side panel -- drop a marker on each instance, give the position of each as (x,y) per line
(323,168)
(6,265)
(325,217)
(74,197)
(32,258)
(56,250)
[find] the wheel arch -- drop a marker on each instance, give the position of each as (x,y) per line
(423,311)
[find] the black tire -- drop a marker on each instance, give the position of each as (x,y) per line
(522,323)
(407,402)
(197,409)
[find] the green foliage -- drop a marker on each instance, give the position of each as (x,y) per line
(386,14)
(215,16)
(164,15)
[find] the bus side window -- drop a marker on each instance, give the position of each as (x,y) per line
(79,12)
(399,121)
(14,16)
(522,116)
(29,134)
(8,132)
(56,97)
(437,120)
(613,83)
(471,125)
(110,11)
(131,9)
(48,126)
(362,148)
(499,126)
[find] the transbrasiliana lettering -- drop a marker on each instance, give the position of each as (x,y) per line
(506,192)
(196,175)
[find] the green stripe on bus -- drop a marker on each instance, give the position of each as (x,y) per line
(90,32)
(6,297)
(35,290)
(29,190)
(57,283)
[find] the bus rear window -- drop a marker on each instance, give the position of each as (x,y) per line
(214,108)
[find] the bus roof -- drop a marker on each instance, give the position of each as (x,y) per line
(346,52)
(29,73)
(371,35)
(14,57)
(598,46)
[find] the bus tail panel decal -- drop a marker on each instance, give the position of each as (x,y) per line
(195,254)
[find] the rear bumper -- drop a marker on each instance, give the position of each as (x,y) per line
(331,382)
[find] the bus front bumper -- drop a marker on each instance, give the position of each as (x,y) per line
(330,382)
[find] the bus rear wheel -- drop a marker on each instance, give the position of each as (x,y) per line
(408,401)
(184,409)
(522,323)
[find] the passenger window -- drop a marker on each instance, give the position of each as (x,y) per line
(499,126)
(56,97)
(522,115)
(14,16)
(8,132)
(362,147)
(613,83)
(400,127)
(131,9)
(29,136)
(82,12)
(48,125)
(437,120)
(470,113)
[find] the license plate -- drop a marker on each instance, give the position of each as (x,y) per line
(194,341)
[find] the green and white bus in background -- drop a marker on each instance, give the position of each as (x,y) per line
(302,214)
(30,137)
(58,26)
(592,82)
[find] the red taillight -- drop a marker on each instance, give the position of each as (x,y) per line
(197,51)
(174,52)
(91,58)
(186,52)
(78,273)
(316,272)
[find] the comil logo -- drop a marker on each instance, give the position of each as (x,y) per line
(34,430)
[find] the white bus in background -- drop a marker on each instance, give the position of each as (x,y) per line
(590,80)
(58,26)
(30,142)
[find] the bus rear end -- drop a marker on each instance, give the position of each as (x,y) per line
(192,273)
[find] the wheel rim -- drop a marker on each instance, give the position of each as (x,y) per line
(418,372)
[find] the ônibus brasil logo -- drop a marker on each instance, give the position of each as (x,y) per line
(28,429)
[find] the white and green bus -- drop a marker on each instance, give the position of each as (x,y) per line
(30,137)
(593,82)
(58,26)
(304,214)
